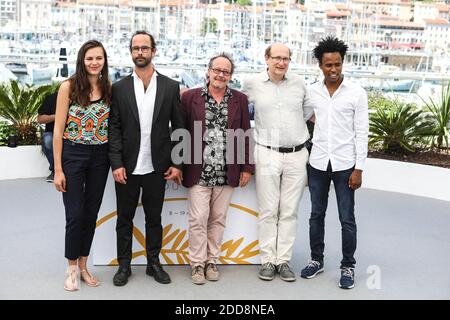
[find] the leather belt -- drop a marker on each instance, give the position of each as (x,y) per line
(286,149)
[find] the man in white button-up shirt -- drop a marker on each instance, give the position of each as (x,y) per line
(338,154)
(280,158)
(144,104)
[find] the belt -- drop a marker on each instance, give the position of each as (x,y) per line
(286,149)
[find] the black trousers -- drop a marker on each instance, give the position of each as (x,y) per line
(153,190)
(86,169)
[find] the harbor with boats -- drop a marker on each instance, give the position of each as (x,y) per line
(395,46)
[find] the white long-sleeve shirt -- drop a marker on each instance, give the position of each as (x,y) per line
(145,100)
(341,127)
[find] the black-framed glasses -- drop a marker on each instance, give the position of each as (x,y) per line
(216,71)
(279,59)
(144,49)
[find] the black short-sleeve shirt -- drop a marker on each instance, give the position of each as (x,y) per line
(48,107)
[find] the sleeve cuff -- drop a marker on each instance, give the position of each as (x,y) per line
(360,164)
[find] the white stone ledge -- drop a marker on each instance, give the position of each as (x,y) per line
(386,175)
(409,178)
(22,162)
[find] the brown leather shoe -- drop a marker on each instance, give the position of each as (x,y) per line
(198,275)
(211,273)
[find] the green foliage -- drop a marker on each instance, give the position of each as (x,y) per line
(440,113)
(376,99)
(19,104)
(397,127)
(6,129)
(241,2)
(209,25)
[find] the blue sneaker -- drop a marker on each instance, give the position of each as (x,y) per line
(347,278)
(312,269)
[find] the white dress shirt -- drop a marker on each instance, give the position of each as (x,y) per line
(280,109)
(145,100)
(341,127)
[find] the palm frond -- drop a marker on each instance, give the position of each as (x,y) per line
(20,104)
(398,127)
(439,111)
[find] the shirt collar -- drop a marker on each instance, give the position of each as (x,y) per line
(264,76)
(205,91)
(344,83)
(134,74)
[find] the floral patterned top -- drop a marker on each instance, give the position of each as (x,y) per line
(214,172)
(87,125)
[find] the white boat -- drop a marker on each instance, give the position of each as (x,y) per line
(38,73)
(359,70)
(430,91)
(17,68)
(398,85)
(5,74)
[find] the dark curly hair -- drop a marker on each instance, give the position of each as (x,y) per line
(329,44)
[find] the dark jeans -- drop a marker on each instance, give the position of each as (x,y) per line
(153,189)
(86,169)
(47,147)
(319,186)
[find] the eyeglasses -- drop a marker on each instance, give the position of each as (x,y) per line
(144,49)
(279,59)
(226,73)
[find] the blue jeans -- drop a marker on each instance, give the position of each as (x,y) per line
(319,186)
(47,147)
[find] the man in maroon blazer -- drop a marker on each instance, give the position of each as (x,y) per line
(218,121)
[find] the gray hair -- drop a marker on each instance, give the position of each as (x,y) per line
(222,55)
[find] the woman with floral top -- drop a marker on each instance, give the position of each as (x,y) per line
(80,146)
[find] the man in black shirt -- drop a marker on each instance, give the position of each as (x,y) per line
(47,116)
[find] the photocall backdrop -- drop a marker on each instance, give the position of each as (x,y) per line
(239,245)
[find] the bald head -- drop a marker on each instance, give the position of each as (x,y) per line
(277,46)
(278,56)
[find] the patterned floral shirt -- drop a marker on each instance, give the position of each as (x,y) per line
(87,125)
(214,171)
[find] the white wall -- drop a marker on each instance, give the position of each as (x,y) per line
(22,162)
(409,178)
(386,175)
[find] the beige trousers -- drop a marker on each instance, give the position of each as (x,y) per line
(280,180)
(207,210)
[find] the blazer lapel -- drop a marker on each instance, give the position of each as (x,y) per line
(132,97)
(199,108)
(232,108)
(160,88)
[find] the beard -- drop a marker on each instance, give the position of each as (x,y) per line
(217,84)
(142,63)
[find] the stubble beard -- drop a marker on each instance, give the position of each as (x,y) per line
(142,64)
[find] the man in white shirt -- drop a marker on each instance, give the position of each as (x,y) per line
(280,158)
(338,154)
(140,146)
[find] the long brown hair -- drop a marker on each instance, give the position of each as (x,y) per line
(80,88)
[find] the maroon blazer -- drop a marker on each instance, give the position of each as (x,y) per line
(193,104)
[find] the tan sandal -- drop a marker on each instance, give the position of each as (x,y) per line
(71,283)
(90,280)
